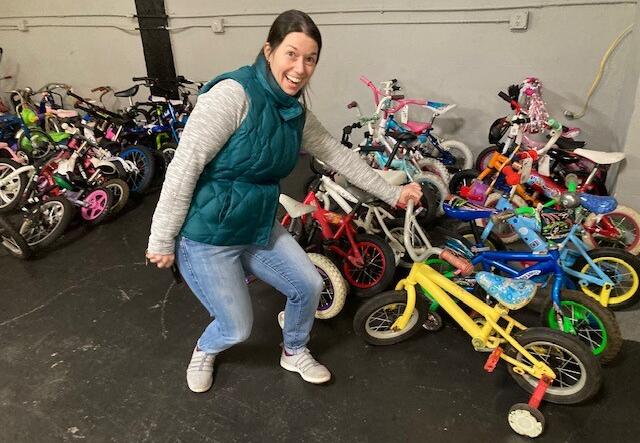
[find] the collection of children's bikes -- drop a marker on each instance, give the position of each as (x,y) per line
(534,183)
(58,164)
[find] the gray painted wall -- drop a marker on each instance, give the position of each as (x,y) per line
(442,55)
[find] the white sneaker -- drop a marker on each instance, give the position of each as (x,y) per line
(281,319)
(200,371)
(305,365)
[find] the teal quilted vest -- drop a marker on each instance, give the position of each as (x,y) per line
(236,197)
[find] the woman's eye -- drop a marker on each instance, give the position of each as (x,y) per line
(291,54)
(310,60)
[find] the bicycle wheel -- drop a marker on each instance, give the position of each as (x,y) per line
(120,191)
(435,183)
(373,320)
(13,242)
(37,145)
(140,180)
(493,242)
(626,220)
(461,153)
(10,192)
(482,160)
(99,201)
(578,374)
(396,227)
(435,166)
(376,273)
(594,325)
(168,150)
(334,292)
(48,223)
(460,179)
(622,267)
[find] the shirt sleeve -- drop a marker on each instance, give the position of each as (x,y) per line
(318,142)
(215,117)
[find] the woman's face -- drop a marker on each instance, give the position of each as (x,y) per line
(293,61)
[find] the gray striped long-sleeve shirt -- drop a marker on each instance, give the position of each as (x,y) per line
(216,116)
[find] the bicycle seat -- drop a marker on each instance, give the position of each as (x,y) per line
(598,204)
(404,136)
(294,208)
(417,127)
(600,157)
(128,92)
(512,293)
(64,113)
(569,144)
(438,107)
(467,212)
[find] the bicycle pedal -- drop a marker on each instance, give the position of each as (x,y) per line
(493,359)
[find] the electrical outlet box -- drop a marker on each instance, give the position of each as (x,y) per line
(519,20)
(217,26)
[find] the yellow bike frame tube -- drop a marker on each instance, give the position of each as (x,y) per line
(605,293)
(401,322)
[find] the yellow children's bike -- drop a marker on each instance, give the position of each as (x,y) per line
(544,362)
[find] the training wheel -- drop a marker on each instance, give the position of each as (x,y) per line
(433,322)
(526,420)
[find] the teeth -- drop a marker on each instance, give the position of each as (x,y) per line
(294,80)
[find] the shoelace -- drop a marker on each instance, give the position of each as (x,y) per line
(306,361)
(199,362)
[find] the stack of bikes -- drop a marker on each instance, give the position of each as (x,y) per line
(575,255)
(57,163)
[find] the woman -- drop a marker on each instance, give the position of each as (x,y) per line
(220,197)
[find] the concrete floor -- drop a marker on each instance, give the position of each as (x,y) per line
(94,346)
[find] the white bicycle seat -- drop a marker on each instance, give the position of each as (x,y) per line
(294,208)
(439,108)
(600,157)
(393,177)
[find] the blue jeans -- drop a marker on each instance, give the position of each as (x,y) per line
(216,275)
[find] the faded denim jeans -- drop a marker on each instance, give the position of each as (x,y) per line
(216,275)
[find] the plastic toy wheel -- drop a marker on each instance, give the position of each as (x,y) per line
(526,420)
(98,203)
(433,322)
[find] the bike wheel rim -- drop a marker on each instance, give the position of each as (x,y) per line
(571,376)
(97,201)
(52,214)
(589,328)
(619,271)
(9,192)
(327,294)
(373,257)
(140,160)
(378,323)
(10,243)
(625,225)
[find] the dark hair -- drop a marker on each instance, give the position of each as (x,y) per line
(293,21)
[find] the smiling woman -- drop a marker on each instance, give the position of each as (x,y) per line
(220,196)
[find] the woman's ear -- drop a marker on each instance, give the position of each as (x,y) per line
(266,50)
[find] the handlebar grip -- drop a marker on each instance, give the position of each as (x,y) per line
(525,210)
(394,80)
(504,96)
(554,124)
(353,104)
(461,264)
(397,97)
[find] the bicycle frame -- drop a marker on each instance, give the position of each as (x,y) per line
(556,261)
(489,336)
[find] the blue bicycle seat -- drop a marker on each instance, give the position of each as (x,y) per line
(598,204)
(512,293)
(467,213)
